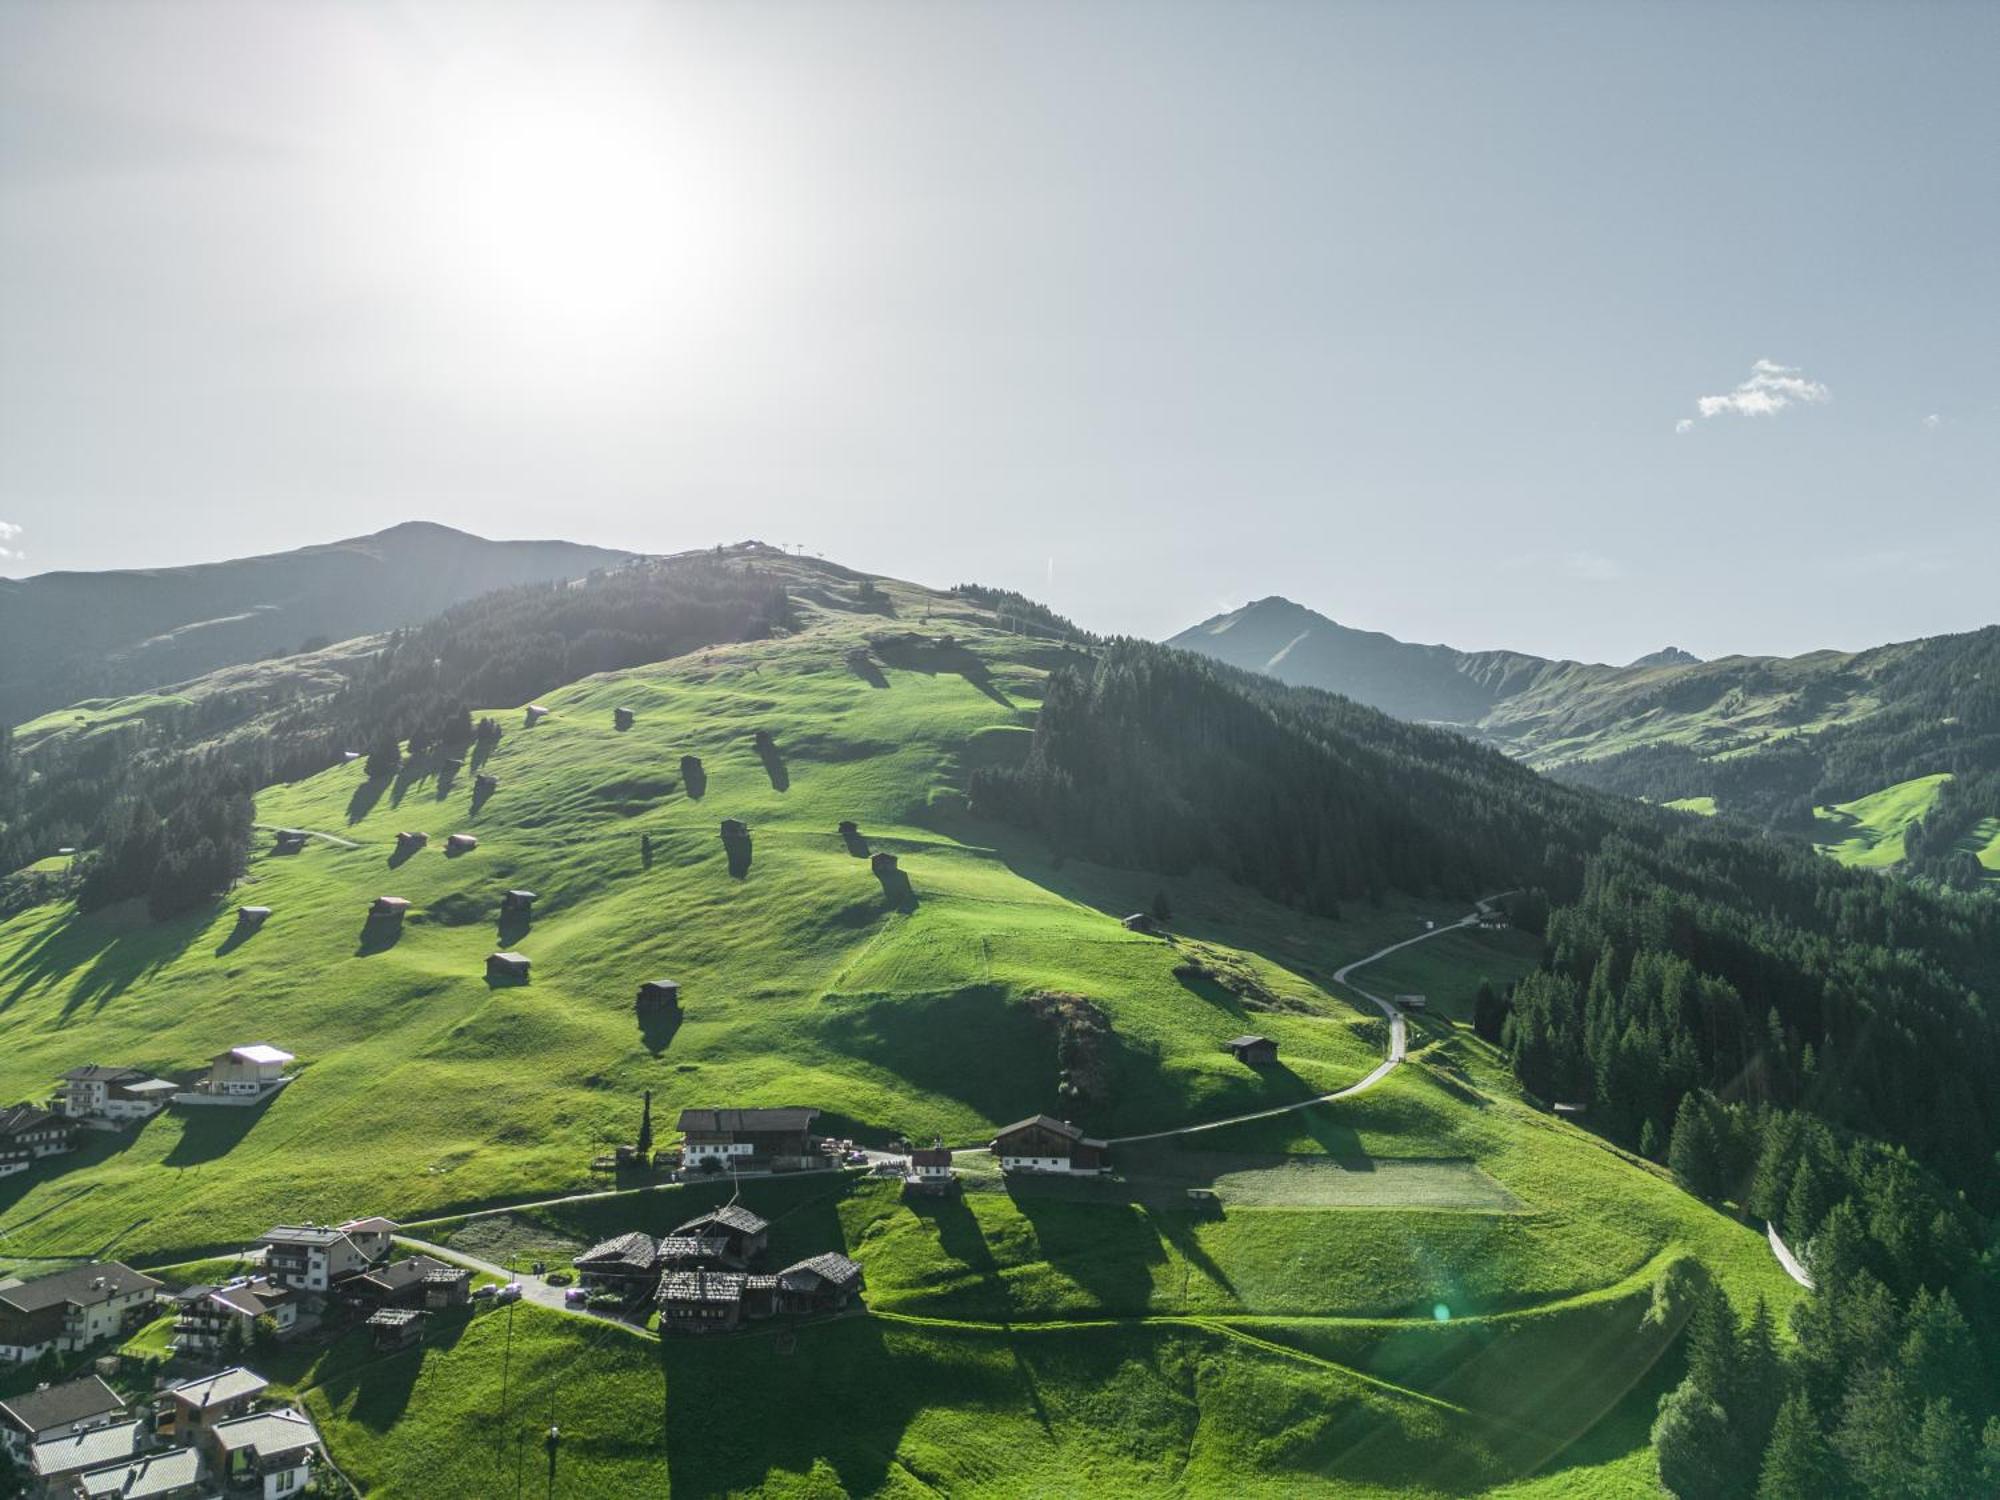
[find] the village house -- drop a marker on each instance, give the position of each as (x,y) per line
(518,902)
(53,1411)
(683,1252)
(1257,1051)
(460,843)
(54,1465)
(28,1133)
(740,1235)
(373,1236)
(1042,1143)
(627,1264)
(414,1281)
(393,1328)
(70,1309)
(777,1139)
(211,1320)
(93,1092)
(187,1410)
(930,1169)
(312,1257)
(174,1474)
(268,1453)
(701,1301)
(242,1075)
(825,1283)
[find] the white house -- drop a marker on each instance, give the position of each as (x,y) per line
(1042,1143)
(216,1319)
(71,1309)
(271,1450)
(121,1094)
(27,1134)
(52,1411)
(312,1257)
(242,1075)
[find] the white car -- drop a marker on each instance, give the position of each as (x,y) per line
(511,1292)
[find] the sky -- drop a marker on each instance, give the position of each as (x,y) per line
(1576,328)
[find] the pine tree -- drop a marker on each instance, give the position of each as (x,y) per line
(1798,1462)
(1760,1382)
(1691,1445)
(1873,1437)
(1946,1456)
(1692,1151)
(1649,1141)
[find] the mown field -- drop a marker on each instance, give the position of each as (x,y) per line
(1426,1288)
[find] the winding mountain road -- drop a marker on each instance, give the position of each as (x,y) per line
(1399,1033)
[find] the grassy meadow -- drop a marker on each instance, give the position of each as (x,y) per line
(1427,1288)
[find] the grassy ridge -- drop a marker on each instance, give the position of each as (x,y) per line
(1867,833)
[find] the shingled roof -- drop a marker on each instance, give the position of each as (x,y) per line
(84,1399)
(728,1121)
(730,1216)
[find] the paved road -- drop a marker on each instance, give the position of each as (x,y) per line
(1398,1036)
(331,838)
(533,1288)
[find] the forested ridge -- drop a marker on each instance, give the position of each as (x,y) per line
(1810,1044)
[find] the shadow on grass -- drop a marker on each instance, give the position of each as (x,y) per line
(862,665)
(366,795)
(737,847)
(107,951)
(972,1045)
(856,844)
(402,855)
(380,932)
(774,766)
(694,776)
(916,654)
(447,778)
(896,890)
(212,1130)
(244,930)
(657,1026)
(513,926)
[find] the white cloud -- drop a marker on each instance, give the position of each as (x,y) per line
(1770,389)
(1933,422)
(8,531)
(1593,567)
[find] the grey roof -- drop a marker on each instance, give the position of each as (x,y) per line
(251,1298)
(829,1266)
(17,1118)
(94,1073)
(397,1274)
(392,1317)
(636,1249)
(702,1286)
(724,1121)
(155,1474)
(92,1448)
(225,1385)
(79,1400)
(730,1216)
(1051,1123)
(676,1247)
(1247,1041)
(269,1432)
(302,1234)
(86,1285)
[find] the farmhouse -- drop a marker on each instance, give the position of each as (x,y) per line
(701,1301)
(414,1281)
(271,1451)
(28,1133)
(660,994)
(50,1411)
(55,1463)
(188,1409)
(176,1474)
(522,902)
(388,906)
(930,1170)
(70,1309)
(1042,1143)
(512,966)
(100,1093)
(242,1075)
(1139,922)
(1257,1051)
(737,1235)
(312,1257)
(211,1319)
(825,1283)
(776,1138)
(681,1252)
(460,843)
(625,1263)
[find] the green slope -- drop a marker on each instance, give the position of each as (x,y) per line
(1867,833)
(1108,1339)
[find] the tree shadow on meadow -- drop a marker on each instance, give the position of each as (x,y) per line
(106,952)
(694,776)
(897,893)
(380,932)
(862,665)
(916,653)
(366,795)
(212,1130)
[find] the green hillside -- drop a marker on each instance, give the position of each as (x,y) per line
(1868,831)
(1428,1287)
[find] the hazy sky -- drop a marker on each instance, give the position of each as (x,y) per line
(1581,328)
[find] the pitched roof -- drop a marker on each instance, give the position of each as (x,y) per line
(676,1247)
(302,1234)
(634,1249)
(1247,1041)
(94,1073)
(155,1474)
(86,1285)
(397,1274)
(730,1216)
(89,1449)
(828,1266)
(225,1385)
(78,1400)
(259,1052)
(374,1224)
(251,1298)
(1049,1123)
(727,1121)
(702,1286)
(392,1317)
(269,1432)
(17,1119)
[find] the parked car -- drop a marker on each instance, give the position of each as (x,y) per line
(511,1292)
(576,1296)
(481,1293)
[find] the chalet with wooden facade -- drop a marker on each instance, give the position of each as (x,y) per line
(28,1133)
(518,903)
(1042,1143)
(628,1264)
(701,1301)
(191,1408)
(211,1320)
(774,1139)
(825,1283)
(71,1310)
(737,1235)
(93,1092)
(414,1281)
(930,1170)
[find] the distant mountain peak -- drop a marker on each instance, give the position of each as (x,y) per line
(1667,656)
